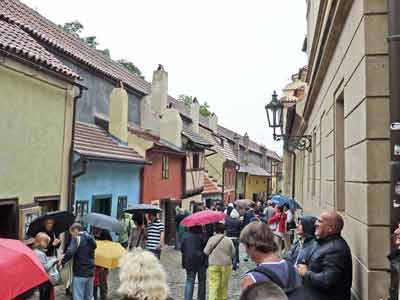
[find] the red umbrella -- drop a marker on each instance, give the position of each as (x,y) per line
(20,269)
(203,218)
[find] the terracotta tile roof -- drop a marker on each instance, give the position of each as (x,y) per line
(94,142)
(210,187)
(50,34)
(16,41)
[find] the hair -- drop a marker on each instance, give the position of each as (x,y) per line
(260,236)
(138,218)
(266,290)
(220,228)
(76,226)
(337,221)
(42,240)
(196,229)
(142,277)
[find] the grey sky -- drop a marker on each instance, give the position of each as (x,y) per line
(230,53)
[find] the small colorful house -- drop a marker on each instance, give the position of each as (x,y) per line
(106,172)
(36,120)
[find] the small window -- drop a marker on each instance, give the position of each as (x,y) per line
(196,160)
(165,167)
(81,208)
(122,205)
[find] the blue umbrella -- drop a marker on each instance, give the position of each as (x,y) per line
(280,200)
(293,204)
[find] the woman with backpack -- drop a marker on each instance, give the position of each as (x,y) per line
(220,251)
(258,240)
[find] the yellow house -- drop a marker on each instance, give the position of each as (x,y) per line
(36,117)
(255,181)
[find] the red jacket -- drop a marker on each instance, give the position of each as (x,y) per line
(280,218)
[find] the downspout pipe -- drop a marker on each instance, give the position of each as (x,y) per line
(394,86)
(71,189)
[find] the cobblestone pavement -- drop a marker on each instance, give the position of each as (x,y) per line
(171,260)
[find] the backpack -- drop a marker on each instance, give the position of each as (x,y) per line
(292,292)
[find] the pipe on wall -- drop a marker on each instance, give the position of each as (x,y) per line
(394,87)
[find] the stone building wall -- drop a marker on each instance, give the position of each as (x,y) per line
(348,169)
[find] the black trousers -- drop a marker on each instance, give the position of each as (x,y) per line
(45,290)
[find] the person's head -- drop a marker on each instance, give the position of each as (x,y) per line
(285,207)
(42,240)
(96,231)
(220,227)
(152,216)
(234,214)
(181,211)
(138,218)
(196,229)
(142,277)
(328,224)
(280,209)
(305,227)
(49,224)
(258,239)
(74,229)
(266,290)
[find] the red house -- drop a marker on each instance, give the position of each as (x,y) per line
(162,182)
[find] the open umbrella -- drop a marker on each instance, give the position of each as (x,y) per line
(63,220)
(143,208)
(103,222)
(280,200)
(108,253)
(244,202)
(20,269)
(203,218)
(293,204)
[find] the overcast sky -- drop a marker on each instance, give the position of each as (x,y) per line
(230,53)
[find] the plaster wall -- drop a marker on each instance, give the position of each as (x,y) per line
(109,178)
(358,72)
(156,188)
(255,184)
(36,124)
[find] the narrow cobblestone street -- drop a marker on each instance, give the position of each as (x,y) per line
(171,260)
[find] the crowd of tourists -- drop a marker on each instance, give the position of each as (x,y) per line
(295,257)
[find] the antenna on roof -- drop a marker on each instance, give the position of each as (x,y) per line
(120,84)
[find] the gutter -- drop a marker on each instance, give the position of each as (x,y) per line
(394,89)
(71,179)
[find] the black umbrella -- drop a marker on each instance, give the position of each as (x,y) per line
(103,222)
(63,220)
(143,208)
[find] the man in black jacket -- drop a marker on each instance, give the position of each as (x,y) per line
(328,272)
(81,249)
(194,262)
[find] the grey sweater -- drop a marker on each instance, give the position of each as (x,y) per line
(222,254)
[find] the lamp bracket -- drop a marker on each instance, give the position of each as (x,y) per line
(299,142)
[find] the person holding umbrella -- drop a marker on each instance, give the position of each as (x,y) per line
(81,249)
(137,238)
(127,226)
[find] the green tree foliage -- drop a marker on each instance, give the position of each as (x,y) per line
(76,27)
(188,100)
(130,66)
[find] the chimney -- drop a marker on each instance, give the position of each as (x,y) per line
(246,142)
(118,113)
(171,126)
(194,115)
(159,90)
(236,149)
(213,123)
(149,120)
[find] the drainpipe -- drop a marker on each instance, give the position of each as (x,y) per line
(71,189)
(394,63)
(294,174)
(223,182)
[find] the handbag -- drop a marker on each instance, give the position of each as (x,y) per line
(54,275)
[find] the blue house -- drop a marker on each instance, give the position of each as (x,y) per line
(106,172)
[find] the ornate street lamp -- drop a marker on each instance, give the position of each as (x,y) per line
(274,111)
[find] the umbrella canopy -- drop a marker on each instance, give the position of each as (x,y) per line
(244,202)
(143,208)
(280,200)
(108,253)
(203,218)
(293,204)
(103,222)
(20,268)
(63,220)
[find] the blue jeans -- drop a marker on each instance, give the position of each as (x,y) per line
(191,279)
(82,288)
(157,253)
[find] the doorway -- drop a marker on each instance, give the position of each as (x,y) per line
(102,204)
(8,219)
(168,217)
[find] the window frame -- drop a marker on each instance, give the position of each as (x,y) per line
(165,167)
(121,208)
